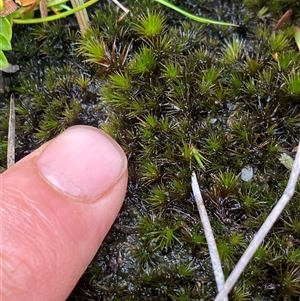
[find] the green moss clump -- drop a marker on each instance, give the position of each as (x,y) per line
(226,104)
(180,97)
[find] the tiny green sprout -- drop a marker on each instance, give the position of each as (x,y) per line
(200,159)
(253,65)
(236,81)
(163,44)
(186,271)
(184,294)
(194,237)
(289,282)
(95,49)
(83,81)
(158,197)
(166,236)
(286,60)
(226,181)
(150,121)
(159,234)
(226,251)
(266,76)
(211,75)
(273,145)
(149,124)
(136,108)
(120,81)
(213,143)
(240,293)
(262,12)
(72,111)
(149,171)
(189,151)
(263,32)
(112,128)
(46,127)
(292,225)
(166,124)
(171,70)
(142,254)
(293,256)
(292,83)
(144,61)
(257,270)
(145,133)
(150,25)
(237,240)
(208,80)
(241,131)
(179,188)
(278,41)
(262,253)
(92,47)
(232,52)
(250,202)
(148,224)
(114,97)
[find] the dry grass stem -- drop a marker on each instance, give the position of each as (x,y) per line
(43,9)
(11,133)
(126,10)
(81,16)
(213,251)
(263,231)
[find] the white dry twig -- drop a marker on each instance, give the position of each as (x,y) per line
(213,251)
(263,231)
(11,133)
(125,10)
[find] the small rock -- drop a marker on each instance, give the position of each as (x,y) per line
(247,173)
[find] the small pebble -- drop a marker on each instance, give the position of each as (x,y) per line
(247,173)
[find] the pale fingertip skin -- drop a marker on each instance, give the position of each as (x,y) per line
(52,223)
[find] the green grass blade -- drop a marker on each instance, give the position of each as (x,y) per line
(193,17)
(297,36)
(3,60)
(55,17)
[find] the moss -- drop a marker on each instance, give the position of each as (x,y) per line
(179,97)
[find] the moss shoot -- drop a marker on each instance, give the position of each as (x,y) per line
(179,97)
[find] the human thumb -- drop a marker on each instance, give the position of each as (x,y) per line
(57,205)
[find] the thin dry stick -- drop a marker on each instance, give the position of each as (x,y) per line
(126,10)
(43,9)
(263,231)
(11,133)
(81,16)
(212,247)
